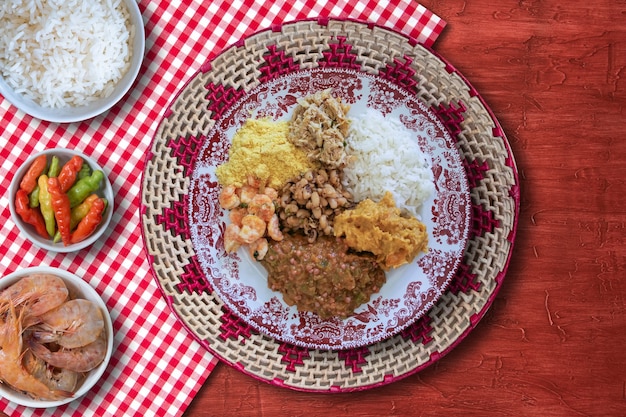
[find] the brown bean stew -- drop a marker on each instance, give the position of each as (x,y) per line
(324,277)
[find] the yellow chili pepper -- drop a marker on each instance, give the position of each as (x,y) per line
(45,205)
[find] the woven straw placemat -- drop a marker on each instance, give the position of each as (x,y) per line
(375,50)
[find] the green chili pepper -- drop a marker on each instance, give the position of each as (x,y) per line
(84,187)
(85,171)
(55,167)
(33,198)
(106,204)
(45,205)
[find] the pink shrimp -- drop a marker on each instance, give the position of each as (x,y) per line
(53,378)
(252,228)
(82,359)
(12,372)
(231,238)
(258,249)
(73,324)
(273,229)
(262,206)
(271,193)
(236,215)
(228,198)
(42,292)
(254,181)
(247,194)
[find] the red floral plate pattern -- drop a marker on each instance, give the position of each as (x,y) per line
(410,290)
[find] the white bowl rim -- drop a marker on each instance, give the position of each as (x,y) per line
(88,292)
(97,107)
(59,247)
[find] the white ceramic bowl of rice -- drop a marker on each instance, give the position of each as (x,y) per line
(69,60)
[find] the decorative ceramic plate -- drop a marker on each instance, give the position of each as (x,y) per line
(182,142)
(410,290)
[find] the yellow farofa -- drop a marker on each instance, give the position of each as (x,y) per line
(260,148)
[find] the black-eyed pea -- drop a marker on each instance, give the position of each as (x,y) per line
(315,199)
(303,213)
(322,177)
(323,222)
(329,191)
(311,235)
(297,194)
(285,198)
(301,183)
(293,222)
(292,208)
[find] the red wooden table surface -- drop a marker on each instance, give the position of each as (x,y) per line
(553,343)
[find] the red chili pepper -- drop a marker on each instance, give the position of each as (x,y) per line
(68,173)
(29,180)
(28,214)
(62,212)
(90,222)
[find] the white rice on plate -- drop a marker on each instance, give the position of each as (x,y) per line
(386,157)
(62,53)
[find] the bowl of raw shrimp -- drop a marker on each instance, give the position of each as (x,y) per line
(56,336)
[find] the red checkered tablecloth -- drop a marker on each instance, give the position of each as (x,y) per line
(157,367)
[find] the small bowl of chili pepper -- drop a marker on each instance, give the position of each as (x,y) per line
(61,200)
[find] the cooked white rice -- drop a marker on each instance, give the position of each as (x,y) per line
(386,157)
(63,53)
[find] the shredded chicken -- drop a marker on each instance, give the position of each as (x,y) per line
(319,126)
